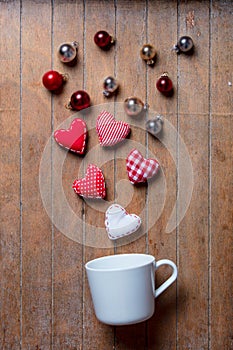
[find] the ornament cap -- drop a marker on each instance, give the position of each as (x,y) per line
(159,117)
(176,49)
(150,62)
(106,93)
(65,77)
(68,106)
(75,44)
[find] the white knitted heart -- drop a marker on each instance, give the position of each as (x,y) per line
(119,223)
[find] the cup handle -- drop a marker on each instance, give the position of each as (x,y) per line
(170,280)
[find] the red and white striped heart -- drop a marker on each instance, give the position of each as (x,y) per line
(119,223)
(139,168)
(74,138)
(92,185)
(110,131)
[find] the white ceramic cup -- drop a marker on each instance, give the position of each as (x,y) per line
(123,287)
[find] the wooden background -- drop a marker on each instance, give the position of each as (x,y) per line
(45,301)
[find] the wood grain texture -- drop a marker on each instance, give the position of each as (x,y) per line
(131,73)
(193,230)
(221,245)
(36,128)
(98,64)
(162,196)
(221,57)
(133,198)
(221,234)
(45,299)
(10,177)
(67,253)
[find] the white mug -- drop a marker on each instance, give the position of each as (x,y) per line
(123,287)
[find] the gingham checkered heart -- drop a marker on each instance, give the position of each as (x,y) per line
(92,185)
(140,169)
(110,131)
(74,138)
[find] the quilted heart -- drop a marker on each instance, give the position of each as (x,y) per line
(119,223)
(74,138)
(110,131)
(92,185)
(140,169)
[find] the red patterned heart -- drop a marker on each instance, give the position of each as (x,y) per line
(110,131)
(92,185)
(140,169)
(74,138)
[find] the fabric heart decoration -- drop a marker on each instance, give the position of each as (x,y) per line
(74,138)
(119,223)
(92,185)
(110,131)
(140,169)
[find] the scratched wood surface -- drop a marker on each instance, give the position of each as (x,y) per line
(47,233)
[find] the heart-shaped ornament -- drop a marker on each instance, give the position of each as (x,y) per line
(92,185)
(110,131)
(140,169)
(119,223)
(74,138)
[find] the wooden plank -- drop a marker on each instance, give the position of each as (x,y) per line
(67,267)
(10,176)
(36,128)
(98,64)
(161,328)
(193,241)
(221,242)
(193,108)
(221,315)
(131,73)
(194,69)
(221,62)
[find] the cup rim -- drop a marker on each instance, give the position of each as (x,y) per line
(88,266)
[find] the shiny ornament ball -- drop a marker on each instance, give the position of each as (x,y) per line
(164,84)
(53,80)
(184,45)
(67,52)
(79,100)
(133,106)
(110,86)
(103,40)
(148,54)
(154,126)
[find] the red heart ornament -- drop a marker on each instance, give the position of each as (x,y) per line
(110,131)
(92,185)
(74,138)
(140,169)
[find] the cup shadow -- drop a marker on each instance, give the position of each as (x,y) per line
(159,330)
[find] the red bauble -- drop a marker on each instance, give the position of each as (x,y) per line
(164,84)
(52,80)
(80,100)
(103,39)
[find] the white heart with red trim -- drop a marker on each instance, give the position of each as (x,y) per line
(110,131)
(119,223)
